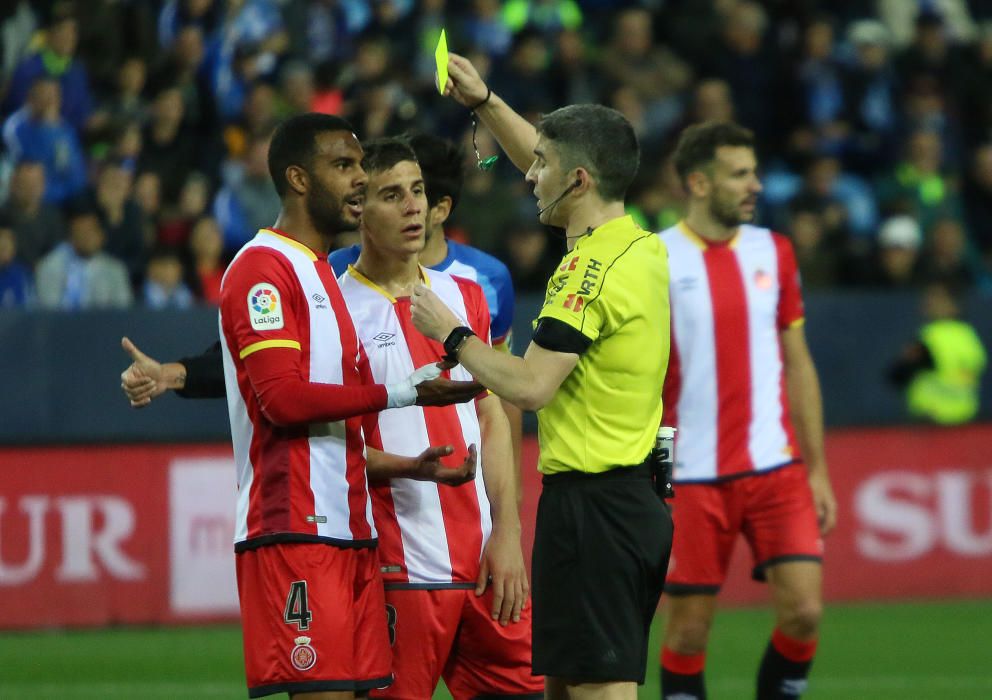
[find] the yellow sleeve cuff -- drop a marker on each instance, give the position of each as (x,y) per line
(263,344)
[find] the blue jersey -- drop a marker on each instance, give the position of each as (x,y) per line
(468,262)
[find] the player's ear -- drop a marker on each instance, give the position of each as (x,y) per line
(298,179)
(697,183)
(441,211)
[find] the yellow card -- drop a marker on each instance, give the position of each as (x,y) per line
(441,59)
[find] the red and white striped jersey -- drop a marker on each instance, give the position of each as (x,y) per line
(303,482)
(725,388)
(429,535)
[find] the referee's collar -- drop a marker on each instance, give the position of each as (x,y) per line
(621,223)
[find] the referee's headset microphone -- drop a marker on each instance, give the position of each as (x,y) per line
(556,200)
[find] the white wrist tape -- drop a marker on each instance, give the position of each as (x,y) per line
(404,393)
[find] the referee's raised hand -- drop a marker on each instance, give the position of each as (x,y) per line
(465,86)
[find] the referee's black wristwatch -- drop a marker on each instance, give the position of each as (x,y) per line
(453,343)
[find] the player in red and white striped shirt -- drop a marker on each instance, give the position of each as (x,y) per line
(743,392)
(308,575)
(456,585)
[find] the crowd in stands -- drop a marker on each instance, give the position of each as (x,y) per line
(135,132)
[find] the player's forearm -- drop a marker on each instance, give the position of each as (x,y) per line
(498,467)
(382,466)
(508,376)
(806,404)
(516,136)
(202,375)
(286,398)
(515,418)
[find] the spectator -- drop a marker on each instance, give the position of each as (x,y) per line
(941,370)
(655,74)
(948,256)
(169,150)
(485,30)
(920,185)
(176,15)
(525,67)
(657,198)
(148,195)
(37,228)
(975,98)
(164,287)
(206,247)
(896,264)
(56,61)
(78,274)
(820,107)
(120,216)
(18,23)
(257,120)
(871,109)
(37,132)
(127,104)
(297,91)
(16,284)
(176,223)
(819,258)
(183,67)
(247,202)
(572,79)
(546,16)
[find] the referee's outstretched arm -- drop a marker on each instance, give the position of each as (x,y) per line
(515,134)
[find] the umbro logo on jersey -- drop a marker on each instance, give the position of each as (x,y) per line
(320,300)
(687,284)
(384,339)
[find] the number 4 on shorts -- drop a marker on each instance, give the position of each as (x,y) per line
(297,611)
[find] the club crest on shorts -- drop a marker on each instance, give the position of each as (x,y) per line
(265,307)
(303,655)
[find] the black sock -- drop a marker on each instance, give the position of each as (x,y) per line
(784,668)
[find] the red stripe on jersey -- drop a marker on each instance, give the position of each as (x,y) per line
(384,513)
(733,361)
(354,443)
(673,382)
(459,504)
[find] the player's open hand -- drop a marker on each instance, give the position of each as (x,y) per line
(431,316)
(823,500)
(502,569)
(443,391)
(143,380)
(429,466)
(464,85)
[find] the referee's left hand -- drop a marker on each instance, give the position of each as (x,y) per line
(503,568)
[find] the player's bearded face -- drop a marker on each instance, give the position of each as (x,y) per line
(330,210)
(736,186)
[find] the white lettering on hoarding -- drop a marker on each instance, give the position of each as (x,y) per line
(86,546)
(16,574)
(906,515)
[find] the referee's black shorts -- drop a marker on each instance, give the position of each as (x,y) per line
(600,555)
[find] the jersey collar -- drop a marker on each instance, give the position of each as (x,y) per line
(705,243)
(359,277)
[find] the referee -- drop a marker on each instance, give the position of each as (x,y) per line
(594,374)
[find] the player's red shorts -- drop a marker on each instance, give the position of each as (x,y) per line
(449,633)
(773,510)
(312,617)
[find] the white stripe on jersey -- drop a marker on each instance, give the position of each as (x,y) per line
(242,432)
(692,335)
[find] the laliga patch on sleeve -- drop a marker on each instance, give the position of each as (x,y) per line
(265,307)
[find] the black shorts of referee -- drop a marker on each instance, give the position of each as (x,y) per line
(601,552)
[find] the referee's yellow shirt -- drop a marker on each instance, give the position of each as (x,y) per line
(612,288)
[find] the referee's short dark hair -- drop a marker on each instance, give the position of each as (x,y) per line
(383,153)
(596,138)
(443,165)
(294,142)
(698,144)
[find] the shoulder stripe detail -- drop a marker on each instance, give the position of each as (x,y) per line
(606,272)
(797,323)
(289,241)
(264,344)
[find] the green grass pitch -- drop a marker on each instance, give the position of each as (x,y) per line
(912,651)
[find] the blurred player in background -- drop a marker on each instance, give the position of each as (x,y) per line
(743,392)
(456,586)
